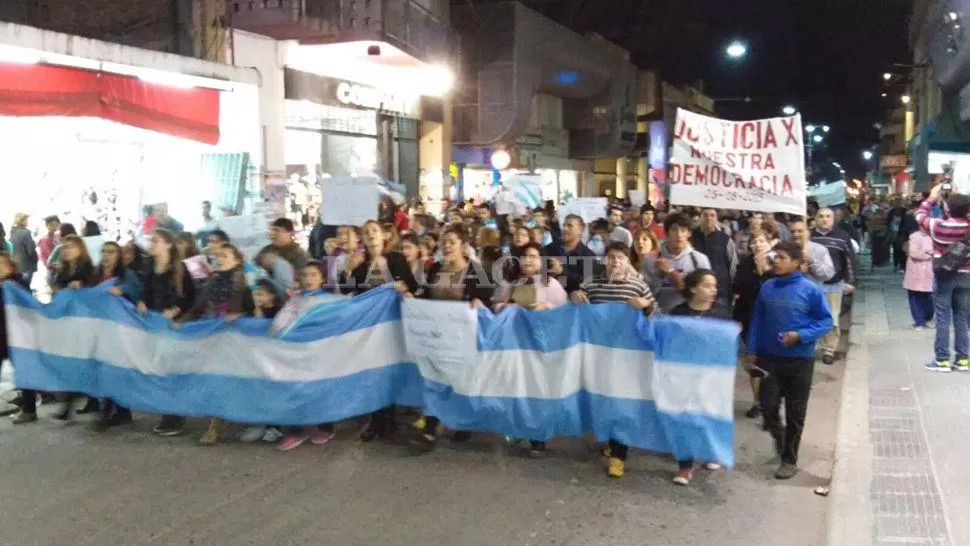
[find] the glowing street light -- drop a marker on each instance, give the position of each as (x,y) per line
(817,139)
(884,95)
(826,128)
(789,110)
(905,99)
(867,155)
(810,128)
(736,50)
(887,76)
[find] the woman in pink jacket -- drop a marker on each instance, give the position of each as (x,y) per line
(918,280)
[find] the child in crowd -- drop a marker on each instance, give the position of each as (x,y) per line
(269,300)
(312,282)
(918,279)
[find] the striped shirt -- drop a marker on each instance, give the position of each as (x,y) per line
(943,231)
(600,289)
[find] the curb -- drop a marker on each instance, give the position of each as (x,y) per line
(849,516)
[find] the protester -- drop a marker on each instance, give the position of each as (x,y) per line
(282,235)
(717,245)
(677,259)
(951,290)
(619,283)
(918,279)
(169,290)
(790,315)
(648,221)
(700,293)
(742,245)
(24,251)
(28,398)
(840,248)
(49,242)
(753,271)
(818,262)
(616,231)
(571,258)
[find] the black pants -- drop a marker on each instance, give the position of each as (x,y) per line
(382,420)
(791,379)
(899,256)
(110,408)
(30,401)
(618,450)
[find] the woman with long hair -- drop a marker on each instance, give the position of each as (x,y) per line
(376,266)
(753,270)
(74,271)
(453,278)
(169,290)
(411,249)
(700,293)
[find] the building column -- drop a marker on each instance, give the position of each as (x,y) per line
(621,177)
(643,176)
(434,158)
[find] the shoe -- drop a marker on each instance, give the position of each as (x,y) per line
(372,432)
(754,412)
(63,413)
(23,418)
(713,466)
(828,360)
(91,406)
(615,468)
(426,440)
(461,436)
(963,364)
(939,366)
(684,476)
(420,423)
(119,418)
(931,324)
(18,400)
(211,436)
(537,451)
(779,439)
(252,434)
(786,471)
(606,453)
(321,438)
(918,328)
(292,442)
(168,428)
(272,435)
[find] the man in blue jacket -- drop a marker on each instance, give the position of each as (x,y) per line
(790,315)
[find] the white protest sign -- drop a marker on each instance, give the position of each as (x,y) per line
(637,197)
(587,208)
(746,165)
(249,232)
(526,190)
(829,195)
(349,201)
(442,338)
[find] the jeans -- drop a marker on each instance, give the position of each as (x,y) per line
(951,298)
(791,379)
(921,307)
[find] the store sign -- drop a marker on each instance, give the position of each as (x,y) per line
(897,161)
(378,99)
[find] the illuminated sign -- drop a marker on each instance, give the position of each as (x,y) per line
(377,99)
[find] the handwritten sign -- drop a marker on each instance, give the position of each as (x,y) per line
(637,197)
(587,208)
(745,165)
(349,201)
(442,338)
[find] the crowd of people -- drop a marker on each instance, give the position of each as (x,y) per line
(782,278)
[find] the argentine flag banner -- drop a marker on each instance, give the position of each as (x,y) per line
(663,384)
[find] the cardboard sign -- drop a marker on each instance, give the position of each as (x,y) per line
(349,201)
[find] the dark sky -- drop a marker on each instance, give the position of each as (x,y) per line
(824,56)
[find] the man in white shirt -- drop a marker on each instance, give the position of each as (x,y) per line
(617,231)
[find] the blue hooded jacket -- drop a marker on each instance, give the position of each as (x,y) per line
(792,303)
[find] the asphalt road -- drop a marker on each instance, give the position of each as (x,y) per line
(68,485)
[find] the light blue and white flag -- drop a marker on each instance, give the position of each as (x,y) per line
(662,384)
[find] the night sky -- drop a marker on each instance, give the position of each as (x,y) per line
(826,57)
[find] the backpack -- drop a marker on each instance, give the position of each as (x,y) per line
(953,258)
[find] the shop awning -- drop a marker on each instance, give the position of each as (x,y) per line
(44,90)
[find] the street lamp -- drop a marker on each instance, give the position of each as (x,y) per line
(884,95)
(825,128)
(867,155)
(789,110)
(887,76)
(810,128)
(905,99)
(817,139)
(736,50)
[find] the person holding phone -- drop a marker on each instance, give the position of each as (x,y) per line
(790,315)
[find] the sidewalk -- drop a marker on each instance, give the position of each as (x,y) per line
(899,477)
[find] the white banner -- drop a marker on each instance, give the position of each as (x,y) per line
(745,165)
(349,201)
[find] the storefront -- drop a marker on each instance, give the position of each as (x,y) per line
(481,171)
(96,131)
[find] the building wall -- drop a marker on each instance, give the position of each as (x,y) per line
(264,54)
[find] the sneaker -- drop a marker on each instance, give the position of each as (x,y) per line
(684,476)
(91,406)
(931,324)
(537,451)
(918,328)
(252,434)
(210,438)
(292,442)
(23,418)
(321,438)
(786,471)
(828,360)
(461,436)
(615,468)
(63,413)
(116,420)
(426,440)
(421,423)
(939,366)
(754,412)
(963,364)
(712,466)
(272,435)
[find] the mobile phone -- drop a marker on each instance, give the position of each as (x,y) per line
(946,186)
